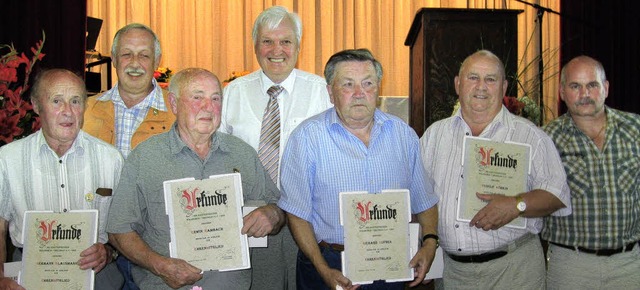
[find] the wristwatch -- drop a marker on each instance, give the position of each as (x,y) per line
(114,253)
(520,204)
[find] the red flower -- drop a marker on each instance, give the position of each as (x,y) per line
(514,105)
(9,127)
(15,61)
(8,74)
(17,118)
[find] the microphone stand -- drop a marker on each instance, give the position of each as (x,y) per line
(541,10)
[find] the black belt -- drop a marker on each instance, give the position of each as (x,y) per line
(335,247)
(486,257)
(601,252)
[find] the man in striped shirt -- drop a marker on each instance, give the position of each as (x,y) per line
(597,246)
(484,253)
(59,168)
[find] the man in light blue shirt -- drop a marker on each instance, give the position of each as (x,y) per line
(351,147)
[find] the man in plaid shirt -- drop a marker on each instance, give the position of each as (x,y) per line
(596,247)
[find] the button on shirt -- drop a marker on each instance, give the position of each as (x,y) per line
(33,177)
(323,159)
(605,185)
(441,147)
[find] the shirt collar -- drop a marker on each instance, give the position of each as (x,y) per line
(155,98)
(76,147)
(567,123)
(176,144)
(379,118)
(502,118)
(287,83)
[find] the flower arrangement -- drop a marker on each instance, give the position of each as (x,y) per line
(524,107)
(527,81)
(234,75)
(163,74)
(17,118)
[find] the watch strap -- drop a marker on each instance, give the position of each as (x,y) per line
(431,236)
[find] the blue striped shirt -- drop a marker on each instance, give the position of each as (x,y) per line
(323,159)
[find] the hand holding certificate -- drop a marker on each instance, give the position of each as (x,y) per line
(492,168)
(376,236)
(205,217)
(52,246)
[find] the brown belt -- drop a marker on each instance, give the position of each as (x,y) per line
(601,252)
(335,247)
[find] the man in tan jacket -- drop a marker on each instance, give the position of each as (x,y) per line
(136,108)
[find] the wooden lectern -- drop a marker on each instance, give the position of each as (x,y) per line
(440,39)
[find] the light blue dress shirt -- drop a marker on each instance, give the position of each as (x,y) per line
(323,159)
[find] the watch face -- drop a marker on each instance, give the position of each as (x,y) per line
(522,206)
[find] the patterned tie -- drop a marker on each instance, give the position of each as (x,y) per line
(269,149)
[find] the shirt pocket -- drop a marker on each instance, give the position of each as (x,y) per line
(627,176)
(577,175)
(158,220)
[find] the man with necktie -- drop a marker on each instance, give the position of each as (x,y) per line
(249,110)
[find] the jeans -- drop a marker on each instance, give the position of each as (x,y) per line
(124,265)
(308,278)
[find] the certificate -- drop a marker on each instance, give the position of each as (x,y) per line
(205,219)
(52,245)
(492,168)
(376,236)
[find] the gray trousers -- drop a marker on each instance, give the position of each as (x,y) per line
(522,268)
(274,267)
(569,269)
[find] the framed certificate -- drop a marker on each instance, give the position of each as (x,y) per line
(205,218)
(491,167)
(376,236)
(52,245)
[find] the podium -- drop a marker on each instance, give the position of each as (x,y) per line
(93,80)
(439,40)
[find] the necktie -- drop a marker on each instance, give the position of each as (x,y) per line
(269,149)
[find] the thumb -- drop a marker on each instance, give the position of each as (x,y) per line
(484,197)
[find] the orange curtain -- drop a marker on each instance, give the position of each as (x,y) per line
(216,35)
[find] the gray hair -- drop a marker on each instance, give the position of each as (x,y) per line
(185,76)
(156,42)
(271,18)
(484,53)
(585,59)
(361,54)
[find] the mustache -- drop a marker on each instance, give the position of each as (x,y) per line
(586,101)
(134,70)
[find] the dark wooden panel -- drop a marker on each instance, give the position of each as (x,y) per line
(440,39)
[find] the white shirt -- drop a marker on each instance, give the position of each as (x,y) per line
(33,177)
(245,100)
(441,148)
